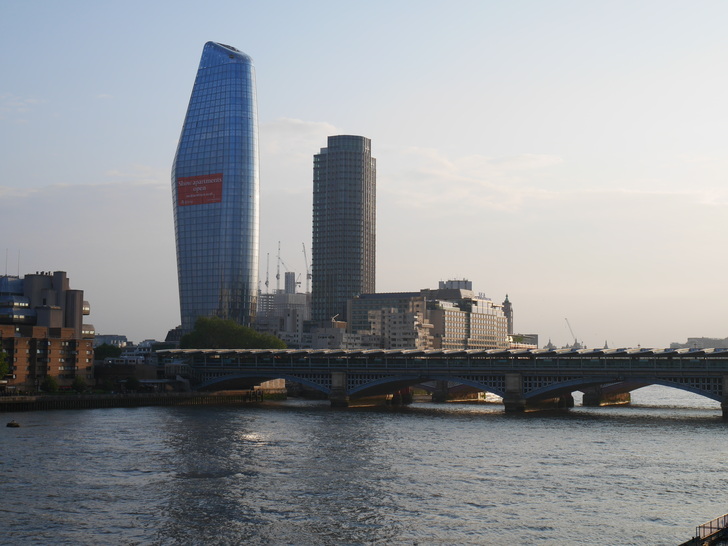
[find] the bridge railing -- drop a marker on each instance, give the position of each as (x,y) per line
(462,364)
(455,360)
(712,527)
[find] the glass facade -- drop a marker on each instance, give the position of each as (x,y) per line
(344,225)
(215,191)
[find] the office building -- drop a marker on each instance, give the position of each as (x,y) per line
(284,312)
(42,331)
(449,317)
(462,319)
(344,225)
(215,191)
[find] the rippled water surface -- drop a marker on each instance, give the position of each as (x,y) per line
(302,473)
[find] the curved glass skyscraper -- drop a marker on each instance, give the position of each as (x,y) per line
(215,191)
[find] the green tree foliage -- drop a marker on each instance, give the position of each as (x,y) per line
(108,385)
(217,333)
(79,384)
(106,351)
(4,365)
(49,384)
(132,384)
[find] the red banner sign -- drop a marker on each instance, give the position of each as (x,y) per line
(199,190)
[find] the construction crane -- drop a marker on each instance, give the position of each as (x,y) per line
(308,271)
(267,267)
(576,343)
(278,270)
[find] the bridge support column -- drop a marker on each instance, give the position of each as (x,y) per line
(440,394)
(566,401)
(514,401)
(338,396)
(596,397)
(724,401)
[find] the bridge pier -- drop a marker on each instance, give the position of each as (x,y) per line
(566,400)
(514,401)
(596,397)
(441,393)
(338,396)
(724,400)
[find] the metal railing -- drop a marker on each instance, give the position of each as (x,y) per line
(713,526)
(388,362)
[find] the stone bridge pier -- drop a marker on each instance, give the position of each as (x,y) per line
(441,392)
(599,396)
(338,395)
(514,401)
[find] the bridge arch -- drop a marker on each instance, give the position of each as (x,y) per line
(260,377)
(711,389)
(687,388)
(400,381)
(492,386)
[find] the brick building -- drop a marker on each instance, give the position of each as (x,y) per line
(42,331)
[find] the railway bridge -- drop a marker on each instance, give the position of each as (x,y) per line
(526,379)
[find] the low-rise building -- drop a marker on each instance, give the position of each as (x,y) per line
(114,340)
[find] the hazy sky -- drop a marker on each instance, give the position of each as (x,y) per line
(570,154)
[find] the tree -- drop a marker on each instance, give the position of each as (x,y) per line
(4,365)
(79,384)
(132,384)
(49,384)
(106,351)
(217,333)
(108,385)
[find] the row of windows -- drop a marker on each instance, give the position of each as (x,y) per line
(233,259)
(232,150)
(228,99)
(215,128)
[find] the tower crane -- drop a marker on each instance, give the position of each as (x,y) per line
(576,343)
(308,271)
(285,267)
(267,266)
(278,270)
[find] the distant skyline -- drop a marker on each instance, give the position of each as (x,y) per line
(572,155)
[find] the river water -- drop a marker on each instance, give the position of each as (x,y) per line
(302,473)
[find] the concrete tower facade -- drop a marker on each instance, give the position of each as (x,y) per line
(215,191)
(344,225)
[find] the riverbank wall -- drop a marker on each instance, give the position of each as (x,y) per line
(128,400)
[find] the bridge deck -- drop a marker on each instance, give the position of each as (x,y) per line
(713,361)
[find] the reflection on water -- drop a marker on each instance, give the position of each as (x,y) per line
(301,473)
